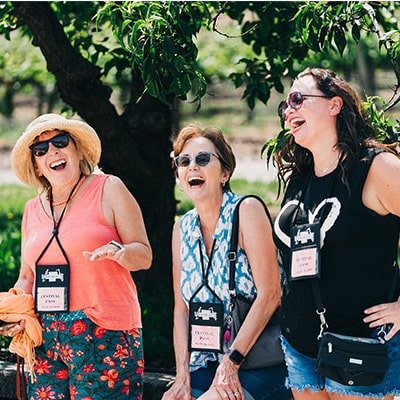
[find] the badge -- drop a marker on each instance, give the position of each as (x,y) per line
(305,251)
(52,288)
(205,326)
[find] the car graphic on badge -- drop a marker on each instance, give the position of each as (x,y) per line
(205,314)
(304,236)
(52,276)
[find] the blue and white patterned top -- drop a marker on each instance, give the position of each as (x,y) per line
(218,276)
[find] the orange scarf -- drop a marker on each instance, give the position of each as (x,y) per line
(16,305)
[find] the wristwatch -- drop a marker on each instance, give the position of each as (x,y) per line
(116,244)
(235,356)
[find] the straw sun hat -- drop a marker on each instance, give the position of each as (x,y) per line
(83,134)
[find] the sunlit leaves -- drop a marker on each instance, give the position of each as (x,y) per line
(160,39)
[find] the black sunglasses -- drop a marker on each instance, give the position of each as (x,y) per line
(295,101)
(201,159)
(60,141)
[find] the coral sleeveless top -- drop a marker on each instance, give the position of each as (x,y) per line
(104,290)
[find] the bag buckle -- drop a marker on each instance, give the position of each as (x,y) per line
(381,335)
(232,256)
(323,324)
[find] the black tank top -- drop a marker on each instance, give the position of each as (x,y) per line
(357,256)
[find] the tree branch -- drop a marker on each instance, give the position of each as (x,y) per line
(78,80)
(395,63)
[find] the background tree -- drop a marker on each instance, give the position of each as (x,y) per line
(153,51)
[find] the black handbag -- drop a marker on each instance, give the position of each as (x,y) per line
(350,360)
(267,350)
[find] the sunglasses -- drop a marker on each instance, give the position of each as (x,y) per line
(201,159)
(60,141)
(295,101)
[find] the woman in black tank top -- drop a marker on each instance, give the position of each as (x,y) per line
(339,225)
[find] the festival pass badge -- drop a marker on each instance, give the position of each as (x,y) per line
(52,288)
(305,251)
(205,326)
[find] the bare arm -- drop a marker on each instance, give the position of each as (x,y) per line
(181,388)
(381,191)
(382,194)
(122,211)
(255,237)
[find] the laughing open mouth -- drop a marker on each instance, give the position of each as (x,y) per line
(58,165)
(195,181)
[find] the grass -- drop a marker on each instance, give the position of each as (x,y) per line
(14,197)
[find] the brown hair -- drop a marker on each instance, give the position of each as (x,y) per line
(353,128)
(215,135)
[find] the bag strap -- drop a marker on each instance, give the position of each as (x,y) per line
(232,254)
(321,310)
(20,379)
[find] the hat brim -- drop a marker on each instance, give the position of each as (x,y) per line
(85,137)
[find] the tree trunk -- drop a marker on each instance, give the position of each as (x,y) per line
(136,147)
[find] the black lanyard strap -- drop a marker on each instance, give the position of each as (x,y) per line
(205,271)
(56,224)
(305,199)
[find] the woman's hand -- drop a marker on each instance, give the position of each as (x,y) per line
(108,251)
(180,390)
(386,313)
(11,329)
(226,381)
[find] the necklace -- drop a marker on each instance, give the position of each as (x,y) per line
(327,169)
(76,190)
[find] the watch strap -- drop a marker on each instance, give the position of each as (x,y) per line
(235,356)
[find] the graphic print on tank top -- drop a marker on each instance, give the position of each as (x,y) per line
(330,207)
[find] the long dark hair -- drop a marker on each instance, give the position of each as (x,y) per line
(354,130)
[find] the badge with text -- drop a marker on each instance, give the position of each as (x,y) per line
(52,288)
(205,326)
(305,251)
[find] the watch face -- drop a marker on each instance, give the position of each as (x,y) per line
(236,357)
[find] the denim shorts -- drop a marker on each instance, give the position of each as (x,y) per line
(302,374)
(257,384)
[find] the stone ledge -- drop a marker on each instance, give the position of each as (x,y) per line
(155,383)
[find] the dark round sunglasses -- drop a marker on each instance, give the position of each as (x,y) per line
(295,101)
(201,159)
(60,141)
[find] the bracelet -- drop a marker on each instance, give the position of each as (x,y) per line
(116,244)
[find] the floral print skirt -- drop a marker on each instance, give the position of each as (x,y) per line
(79,360)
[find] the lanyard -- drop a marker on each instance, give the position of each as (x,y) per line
(56,224)
(205,272)
(305,199)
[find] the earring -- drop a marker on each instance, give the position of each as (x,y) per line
(223,183)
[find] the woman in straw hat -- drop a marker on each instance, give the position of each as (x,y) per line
(81,237)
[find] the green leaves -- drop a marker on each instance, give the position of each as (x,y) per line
(159,37)
(275,144)
(386,129)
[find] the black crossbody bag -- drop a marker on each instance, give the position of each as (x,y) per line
(350,360)
(267,350)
